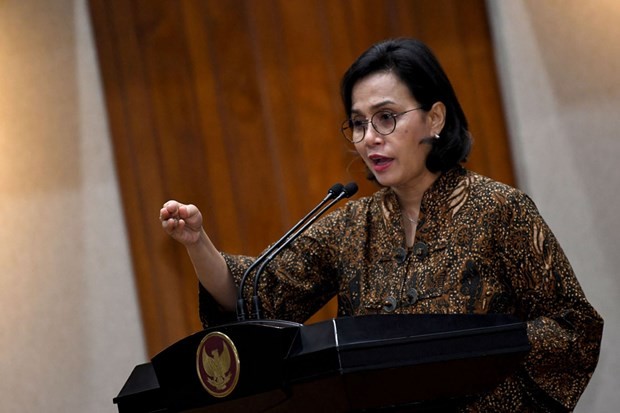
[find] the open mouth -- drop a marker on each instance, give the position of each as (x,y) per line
(380,163)
(380,160)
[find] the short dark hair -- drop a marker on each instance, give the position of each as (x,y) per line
(416,65)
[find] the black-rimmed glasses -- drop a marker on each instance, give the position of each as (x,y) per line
(383,121)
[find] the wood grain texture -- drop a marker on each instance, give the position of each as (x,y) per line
(234,105)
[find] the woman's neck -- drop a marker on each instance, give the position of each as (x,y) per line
(410,196)
(410,201)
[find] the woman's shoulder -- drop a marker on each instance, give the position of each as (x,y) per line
(491,193)
(482,185)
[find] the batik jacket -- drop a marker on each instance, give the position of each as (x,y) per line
(480,247)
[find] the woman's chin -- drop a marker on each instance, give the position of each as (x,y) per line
(383,180)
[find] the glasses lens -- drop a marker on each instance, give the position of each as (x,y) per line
(384,122)
(353,130)
(346,130)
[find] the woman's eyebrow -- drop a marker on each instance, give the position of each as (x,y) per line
(376,105)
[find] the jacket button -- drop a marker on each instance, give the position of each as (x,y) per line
(412,296)
(420,249)
(389,305)
(400,255)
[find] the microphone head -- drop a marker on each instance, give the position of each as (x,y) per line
(350,189)
(335,190)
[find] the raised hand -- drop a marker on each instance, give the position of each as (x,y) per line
(182,222)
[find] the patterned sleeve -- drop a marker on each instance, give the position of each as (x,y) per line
(211,314)
(564,330)
(304,277)
(296,284)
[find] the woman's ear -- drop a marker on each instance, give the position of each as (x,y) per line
(437,118)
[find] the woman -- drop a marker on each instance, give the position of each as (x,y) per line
(436,239)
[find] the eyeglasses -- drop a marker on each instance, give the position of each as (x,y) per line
(383,121)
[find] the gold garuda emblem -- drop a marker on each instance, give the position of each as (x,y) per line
(217,363)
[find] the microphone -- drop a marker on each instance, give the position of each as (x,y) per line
(332,193)
(349,190)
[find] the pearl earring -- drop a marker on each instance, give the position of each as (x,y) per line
(437,136)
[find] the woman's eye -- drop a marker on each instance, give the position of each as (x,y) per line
(385,116)
(357,123)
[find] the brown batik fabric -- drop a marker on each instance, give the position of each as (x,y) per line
(480,247)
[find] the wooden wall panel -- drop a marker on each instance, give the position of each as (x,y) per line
(234,105)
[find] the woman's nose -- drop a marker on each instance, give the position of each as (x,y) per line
(372,137)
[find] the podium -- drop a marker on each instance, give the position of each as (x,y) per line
(375,363)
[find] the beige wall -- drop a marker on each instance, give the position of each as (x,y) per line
(559,63)
(69,326)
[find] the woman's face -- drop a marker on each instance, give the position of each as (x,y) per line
(397,160)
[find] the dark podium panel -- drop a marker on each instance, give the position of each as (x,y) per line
(377,363)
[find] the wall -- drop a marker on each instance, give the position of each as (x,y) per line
(559,64)
(69,324)
(188,118)
(70,331)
